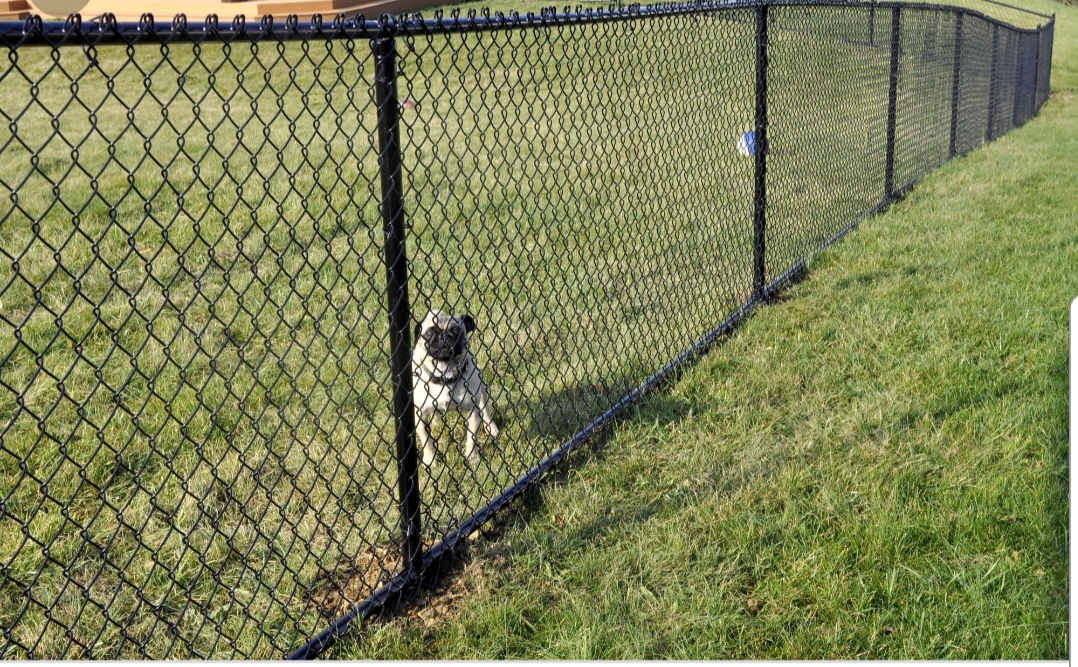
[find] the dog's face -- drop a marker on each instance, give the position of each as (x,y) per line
(444,338)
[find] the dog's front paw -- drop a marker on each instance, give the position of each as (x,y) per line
(493,430)
(428,456)
(473,458)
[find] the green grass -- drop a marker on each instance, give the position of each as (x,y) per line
(203,492)
(878,463)
(195,418)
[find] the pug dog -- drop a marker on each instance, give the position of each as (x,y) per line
(447,377)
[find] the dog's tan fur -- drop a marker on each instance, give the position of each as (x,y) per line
(454,384)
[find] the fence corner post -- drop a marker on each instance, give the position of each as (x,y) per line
(892,104)
(993,86)
(1036,75)
(1019,81)
(399,308)
(955,77)
(872,23)
(761,150)
(1051,28)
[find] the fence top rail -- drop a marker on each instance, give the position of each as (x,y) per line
(106,29)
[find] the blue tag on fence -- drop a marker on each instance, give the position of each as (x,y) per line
(746,145)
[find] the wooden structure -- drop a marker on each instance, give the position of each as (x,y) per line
(197,10)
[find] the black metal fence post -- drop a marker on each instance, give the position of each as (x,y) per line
(1051,46)
(1051,29)
(872,24)
(992,86)
(761,146)
(1019,69)
(955,75)
(1036,74)
(400,316)
(892,105)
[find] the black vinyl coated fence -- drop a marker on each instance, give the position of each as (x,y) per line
(218,241)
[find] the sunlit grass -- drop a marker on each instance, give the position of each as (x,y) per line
(195,416)
(873,468)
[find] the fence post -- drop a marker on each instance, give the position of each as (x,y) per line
(1051,30)
(953,150)
(990,134)
(400,316)
(872,24)
(892,106)
(1036,75)
(761,146)
(1019,70)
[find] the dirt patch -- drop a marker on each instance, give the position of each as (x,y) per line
(459,572)
(468,569)
(352,582)
(475,563)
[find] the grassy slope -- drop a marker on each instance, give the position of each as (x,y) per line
(259,459)
(876,466)
(247,454)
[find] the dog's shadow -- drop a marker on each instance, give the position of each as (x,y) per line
(540,408)
(531,430)
(561,414)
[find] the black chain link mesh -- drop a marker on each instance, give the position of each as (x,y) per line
(194,409)
(198,450)
(574,189)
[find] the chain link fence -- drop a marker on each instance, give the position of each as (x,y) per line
(222,247)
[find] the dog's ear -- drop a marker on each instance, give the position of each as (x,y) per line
(418,330)
(469,323)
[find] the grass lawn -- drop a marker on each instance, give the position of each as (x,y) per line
(875,466)
(194,433)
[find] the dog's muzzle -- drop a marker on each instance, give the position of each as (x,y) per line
(444,344)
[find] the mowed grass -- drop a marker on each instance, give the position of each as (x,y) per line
(874,467)
(196,436)
(191,346)
(195,427)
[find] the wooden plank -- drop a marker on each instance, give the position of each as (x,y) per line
(197,10)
